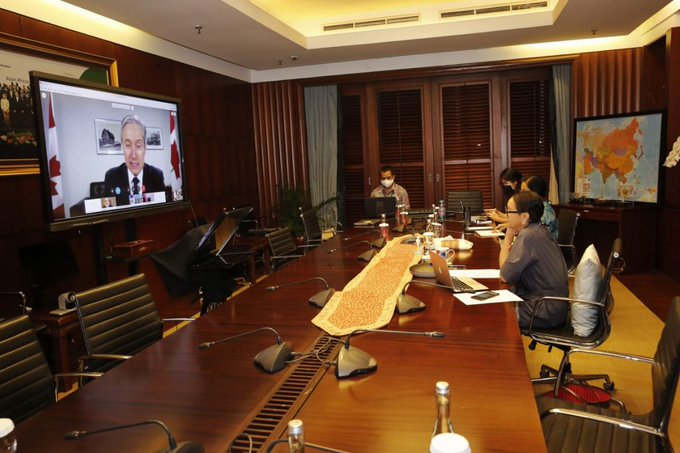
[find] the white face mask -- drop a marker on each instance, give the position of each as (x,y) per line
(387,183)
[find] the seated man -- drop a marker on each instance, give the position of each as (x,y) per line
(532,262)
(132,177)
(388,188)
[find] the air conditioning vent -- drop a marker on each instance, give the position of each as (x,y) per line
(274,410)
(492,9)
(377,22)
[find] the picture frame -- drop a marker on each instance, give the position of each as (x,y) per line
(18,137)
(154,138)
(107,136)
(617,158)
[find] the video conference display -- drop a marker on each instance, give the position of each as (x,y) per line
(106,152)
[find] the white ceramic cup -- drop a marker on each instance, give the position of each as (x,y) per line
(429,239)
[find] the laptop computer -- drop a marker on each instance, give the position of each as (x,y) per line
(215,240)
(457,284)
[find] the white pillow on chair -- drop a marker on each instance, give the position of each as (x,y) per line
(586,287)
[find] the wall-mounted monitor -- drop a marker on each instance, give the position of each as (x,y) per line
(106,153)
(617,157)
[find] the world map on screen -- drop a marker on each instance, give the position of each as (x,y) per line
(618,158)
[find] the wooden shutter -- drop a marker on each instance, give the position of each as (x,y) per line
(400,139)
(466,138)
(530,128)
(351,134)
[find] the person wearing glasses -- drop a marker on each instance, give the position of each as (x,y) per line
(531,261)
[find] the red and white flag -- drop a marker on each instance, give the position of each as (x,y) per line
(54,167)
(174,153)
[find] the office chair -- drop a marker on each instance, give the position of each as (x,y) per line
(118,320)
(13,303)
(310,222)
(574,427)
(564,337)
(567,221)
(26,383)
(283,248)
(457,200)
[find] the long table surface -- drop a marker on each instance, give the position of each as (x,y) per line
(206,396)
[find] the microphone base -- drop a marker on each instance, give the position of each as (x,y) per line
(409,304)
(354,362)
(274,357)
(187,447)
(379,243)
(367,255)
(322,297)
(422,270)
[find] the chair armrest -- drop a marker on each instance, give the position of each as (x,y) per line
(178,319)
(84,358)
(570,300)
(626,424)
(281,257)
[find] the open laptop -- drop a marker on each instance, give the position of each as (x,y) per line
(375,207)
(457,284)
(215,240)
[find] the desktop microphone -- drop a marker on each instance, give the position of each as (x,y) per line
(183,447)
(379,243)
(354,362)
(319,299)
(410,304)
(271,360)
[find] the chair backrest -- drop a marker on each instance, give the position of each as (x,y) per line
(310,221)
(666,367)
(119,317)
(470,199)
(281,242)
(567,221)
(26,382)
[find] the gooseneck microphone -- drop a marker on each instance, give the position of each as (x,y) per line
(319,299)
(271,360)
(354,362)
(365,233)
(378,243)
(184,447)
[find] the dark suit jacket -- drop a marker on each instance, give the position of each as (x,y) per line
(117,177)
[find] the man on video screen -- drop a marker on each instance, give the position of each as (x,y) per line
(131,179)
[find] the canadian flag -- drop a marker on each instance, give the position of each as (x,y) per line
(174,153)
(54,167)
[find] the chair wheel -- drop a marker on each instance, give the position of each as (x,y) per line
(609,386)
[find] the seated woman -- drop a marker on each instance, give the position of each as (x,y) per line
(549,219)
(532,262)
(510,181)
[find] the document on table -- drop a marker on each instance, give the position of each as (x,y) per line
(476,273)
(490,233)
(479,228)
(503,296)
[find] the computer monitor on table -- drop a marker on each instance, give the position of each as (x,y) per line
(215,240)
(375,207)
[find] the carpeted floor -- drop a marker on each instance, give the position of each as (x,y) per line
(635,330)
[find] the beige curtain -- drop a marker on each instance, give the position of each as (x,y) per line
(321,117)
(562,151)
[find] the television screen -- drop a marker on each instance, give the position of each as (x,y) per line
(106,153)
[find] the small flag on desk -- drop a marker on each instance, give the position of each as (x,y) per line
(54,167)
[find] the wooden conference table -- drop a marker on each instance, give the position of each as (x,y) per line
(209,396)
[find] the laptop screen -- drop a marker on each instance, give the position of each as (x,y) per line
(375,207)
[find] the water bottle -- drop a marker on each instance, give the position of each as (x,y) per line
(397,214)
(296,436)
(8,440)
(442,211)
(466,213)
(442,423)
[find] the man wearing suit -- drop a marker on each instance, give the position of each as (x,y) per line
(130,180)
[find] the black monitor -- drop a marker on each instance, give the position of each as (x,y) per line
(95,140)
(375,207)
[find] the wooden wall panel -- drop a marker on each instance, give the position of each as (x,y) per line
(607,83)
(280,145)
(218,147)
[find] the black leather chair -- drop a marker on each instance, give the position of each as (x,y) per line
(26,382)
(565,339)
(572,427)
(12,303)
(567,221)
(310,222)
(457,200)
(118,320)
(283,247)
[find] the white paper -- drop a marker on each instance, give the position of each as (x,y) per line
(476,273)
(478,228)
(503,296)
(490,234)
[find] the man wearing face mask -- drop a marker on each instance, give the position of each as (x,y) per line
(388,188)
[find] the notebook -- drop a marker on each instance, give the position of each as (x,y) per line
(457,284)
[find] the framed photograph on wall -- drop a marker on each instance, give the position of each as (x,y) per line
(617,157)
(154,138)
(107,134)
(18,138)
